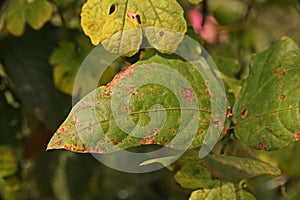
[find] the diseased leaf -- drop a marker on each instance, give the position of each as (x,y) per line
(235,169)
(119,25)
(105,120)
(267,112)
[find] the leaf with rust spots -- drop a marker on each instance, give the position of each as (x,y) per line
(119,25)
(267,112)
(134,109)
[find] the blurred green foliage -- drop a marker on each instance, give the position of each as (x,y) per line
(41,47)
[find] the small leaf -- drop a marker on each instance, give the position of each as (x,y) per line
(194,176)
(162,160)
(38,12)
(267,112)
(15,18)
(235,169)
(118,24)
(66,65)
(225,192)
(195,1)
(8,162)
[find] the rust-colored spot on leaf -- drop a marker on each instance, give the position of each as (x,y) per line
(58,143)
(229,112)
(126,73)
(282,97)
(263,137)
(225,129)
(61,130)
(133,90)
(261,146)
(276,70)
(244,114)
(297,135)
(188,94)
(208,93)
(281,74)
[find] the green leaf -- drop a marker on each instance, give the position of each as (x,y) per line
(35,12)
(66,65)
(235,169)
(193,176)
(15,18)
(8,162)
(9,182)
(67,59)
(195,1)
(226,191)
(267,112)
(82,130)
(38,13)
(119,25)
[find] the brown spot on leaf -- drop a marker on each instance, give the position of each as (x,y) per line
(206,82)
(75,121)
(58,143)
(261,146)
(263,137)
(282,97)
(161,33)
(229,112)
(208,93)
(62,130)
(244,114)
(188,94)
(133,90)
(225,129)
(297,135)
(281,74)
(276,70)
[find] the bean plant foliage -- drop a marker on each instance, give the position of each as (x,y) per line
(43,45)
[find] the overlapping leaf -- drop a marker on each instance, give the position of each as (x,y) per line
(92,117)
(267,113)
(118,24)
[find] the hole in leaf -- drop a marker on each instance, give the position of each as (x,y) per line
(138,19)
(112,9)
